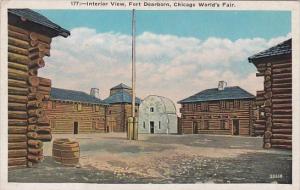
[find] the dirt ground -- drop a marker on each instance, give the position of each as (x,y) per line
(110,158)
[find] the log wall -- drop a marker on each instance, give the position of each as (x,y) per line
(63,115)
(117,116)
(26,50)
(275,103)
(209,121)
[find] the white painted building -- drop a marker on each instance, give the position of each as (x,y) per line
(157,114)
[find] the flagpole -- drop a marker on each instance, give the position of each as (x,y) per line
(133,64)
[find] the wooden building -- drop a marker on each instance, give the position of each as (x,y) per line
(119,108)
(75,112)
(29,39)
(275,100)
(222,110)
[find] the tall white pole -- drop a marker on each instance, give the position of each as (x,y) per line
(133,63)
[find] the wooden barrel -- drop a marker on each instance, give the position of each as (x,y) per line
(66,151)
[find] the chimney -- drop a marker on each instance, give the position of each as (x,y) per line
(95,92)
(222,85)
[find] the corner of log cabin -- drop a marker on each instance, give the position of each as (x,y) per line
(28,43)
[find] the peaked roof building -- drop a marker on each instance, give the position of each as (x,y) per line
(74,96)
(121,93)
(229,93)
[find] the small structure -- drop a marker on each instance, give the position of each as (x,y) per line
(275,100)
(29,38)
(75,112)
(222,110)
(157,114)
(119,108)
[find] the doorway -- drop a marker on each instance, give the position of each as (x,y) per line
(75,129)
(152,127)
(195,127)
(236,127)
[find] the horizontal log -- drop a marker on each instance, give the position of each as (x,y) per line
(282,70)
(44,137)
(18,35)
(280,81)
(282,90)
(282,101)
(32,120)
(34,104)
(21,161)
(17,138)
(261,122)
(32,135)
(33,81)
(17,29)
(282,131)
(17,145)
(17,83)
(17,129)
(17,99)
(44,130)
(43,88)
(35,158)
(282,65)
(35,151)
(43,121)
(282,85)
(32,128)
(282,75)
(18,43)
(35,96)
(35,113)
(40,37)
(45,82)
(17,122)
(17,74)
(17,107)
(17,153)
(46,97)
(35,143)
(289,147)
(18,91)
(17,66)
(281,141)
(282,136)
(36,63)
(283,112)
(259,127)
(282,125)
(278,116)
(17,115)
(282,106)
(260,74)
(281,96)
(288,121)
(17,50)
(32,89)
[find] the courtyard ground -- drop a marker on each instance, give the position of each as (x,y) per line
(110,158)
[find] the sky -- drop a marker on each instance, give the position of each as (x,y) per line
(179,53)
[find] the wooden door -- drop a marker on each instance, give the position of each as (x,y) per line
(75,127)
(195,127)
(236,127)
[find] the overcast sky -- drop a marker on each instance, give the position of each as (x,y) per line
(179,53)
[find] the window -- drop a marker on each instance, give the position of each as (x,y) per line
(225,105)
(159,125)
(222,124)
(194,107)
(53,105)
(53,124)
(97,108)
(204,107)
(152,109)
(79,107)
(237,104)
(144,125)
(94,125)
(206,124)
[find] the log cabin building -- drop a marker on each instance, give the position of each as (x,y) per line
(119,109)
(29,38)
(222,110)
(75,112)
(275,100)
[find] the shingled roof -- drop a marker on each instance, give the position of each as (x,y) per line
(121,86)
(36,18)
(74,96)
(229,93)
(284,48)
(121,97)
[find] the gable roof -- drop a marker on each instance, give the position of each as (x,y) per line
(73,95)
(121,86)
(284,48)
(41,20)
(121,97)
(229,93)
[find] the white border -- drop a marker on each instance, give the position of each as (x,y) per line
(240,5)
